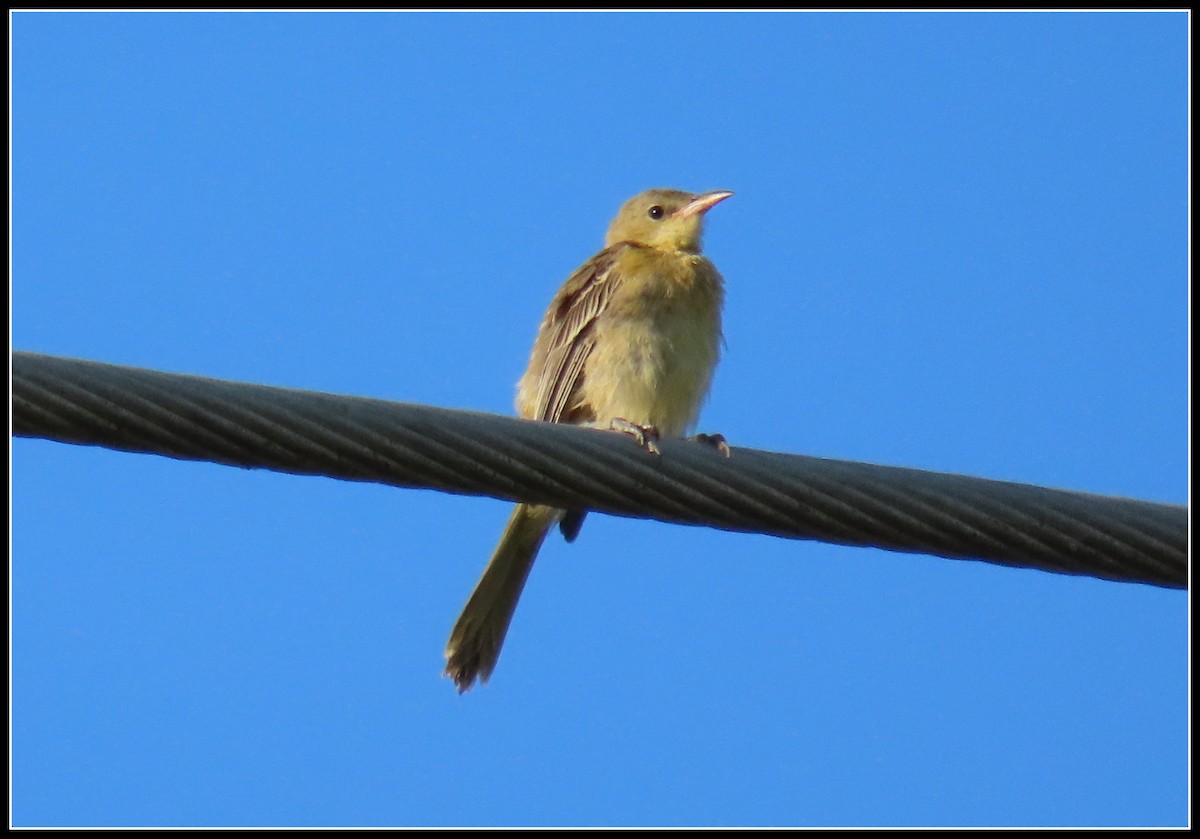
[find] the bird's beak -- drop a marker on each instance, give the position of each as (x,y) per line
(703,203)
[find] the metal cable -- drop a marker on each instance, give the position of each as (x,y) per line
(352,438)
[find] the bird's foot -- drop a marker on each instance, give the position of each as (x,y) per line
(646,435)
(717,441)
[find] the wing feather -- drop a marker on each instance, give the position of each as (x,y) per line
(565,340)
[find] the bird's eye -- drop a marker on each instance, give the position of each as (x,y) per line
(656,212)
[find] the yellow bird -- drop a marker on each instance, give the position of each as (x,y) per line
(629,343)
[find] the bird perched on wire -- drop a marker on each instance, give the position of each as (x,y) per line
(629,343)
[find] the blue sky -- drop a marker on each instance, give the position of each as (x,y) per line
(958,242)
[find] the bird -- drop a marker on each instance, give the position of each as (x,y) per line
(629,343)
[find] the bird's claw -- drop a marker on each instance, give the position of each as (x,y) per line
(717,441)
(646,435)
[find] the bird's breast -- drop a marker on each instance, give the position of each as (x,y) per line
(657,344)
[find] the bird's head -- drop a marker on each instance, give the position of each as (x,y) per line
(667,219)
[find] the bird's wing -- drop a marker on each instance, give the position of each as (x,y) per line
(567,333)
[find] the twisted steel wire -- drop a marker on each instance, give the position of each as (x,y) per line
(794,496)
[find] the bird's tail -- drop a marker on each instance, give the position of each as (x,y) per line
(478,634)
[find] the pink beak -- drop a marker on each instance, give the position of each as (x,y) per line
(703,203)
